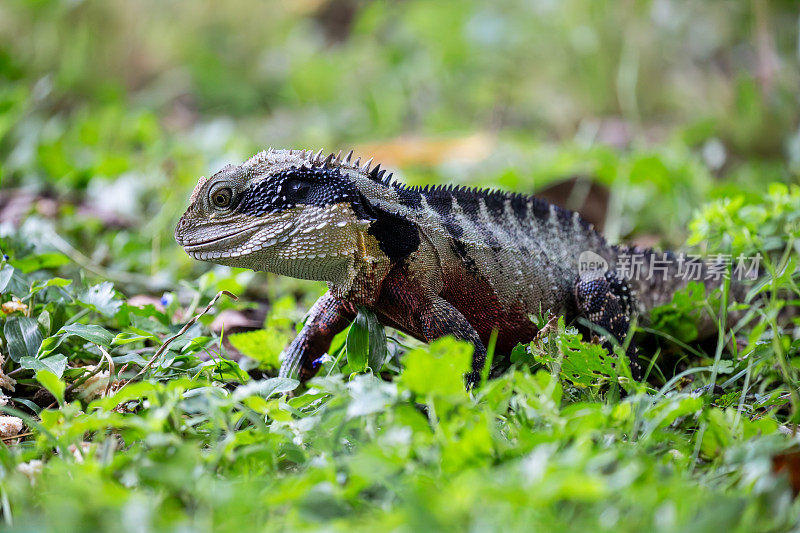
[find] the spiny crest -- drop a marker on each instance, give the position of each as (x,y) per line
(337,161)
(454,190)
(381,176)
(522,204)
(320,159)
(265,157)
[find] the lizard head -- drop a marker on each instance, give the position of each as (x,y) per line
(284,211)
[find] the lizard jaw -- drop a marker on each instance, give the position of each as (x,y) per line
(236,244)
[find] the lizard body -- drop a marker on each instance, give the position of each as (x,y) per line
(429,261)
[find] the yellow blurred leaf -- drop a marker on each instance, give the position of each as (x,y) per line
(404,151)
(14,306)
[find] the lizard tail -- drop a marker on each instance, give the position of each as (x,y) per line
(656,276)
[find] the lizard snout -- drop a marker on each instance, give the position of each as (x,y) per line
(180,230)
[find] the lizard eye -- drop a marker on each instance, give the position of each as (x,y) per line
(221,198)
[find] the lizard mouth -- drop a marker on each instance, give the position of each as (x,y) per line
(222,245)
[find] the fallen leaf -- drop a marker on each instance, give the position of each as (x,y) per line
(6,382)
(580,194)
(13,306)
(234,321)
(789,462)
(10,426)
(404,151)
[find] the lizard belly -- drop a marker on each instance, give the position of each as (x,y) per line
(477,300)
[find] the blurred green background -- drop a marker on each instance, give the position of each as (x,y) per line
(111,110)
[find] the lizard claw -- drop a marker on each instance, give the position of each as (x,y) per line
(472,379)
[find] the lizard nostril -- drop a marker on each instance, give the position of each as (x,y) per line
(182,223)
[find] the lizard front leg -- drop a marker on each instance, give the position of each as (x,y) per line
(438,318)
(413,305)
(328,317)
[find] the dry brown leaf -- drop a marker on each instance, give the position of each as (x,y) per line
(404,151)
(580,194)
(789,462)
(10,426)
(13,306)
(236,321)
(141,300)
(6,382)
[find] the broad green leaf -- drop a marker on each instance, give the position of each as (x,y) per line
(6,273)
(366,342)
(521,353)
(31,263)
(263,345)
(221,369)
(148,319)
(377,342)
(126,337)
(265,388)
(438,370)
(23,336)
(145,333)
(37,286)
(45,321)
(200,343)
(369,394)
(100,298)
(52,383)
(55,364)
(717,434)
(358,343)
(666,412)
(133,391)
(581,363)
(90,332)
(29,404)
(679,317)
(49,344)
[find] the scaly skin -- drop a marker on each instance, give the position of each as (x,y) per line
(429,262)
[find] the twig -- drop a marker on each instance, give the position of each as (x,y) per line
(17,436)
(183,330)
(547,329)
(84,378)
(110,371)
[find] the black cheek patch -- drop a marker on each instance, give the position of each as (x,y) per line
(397,237)
(261,198)
(320,187)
